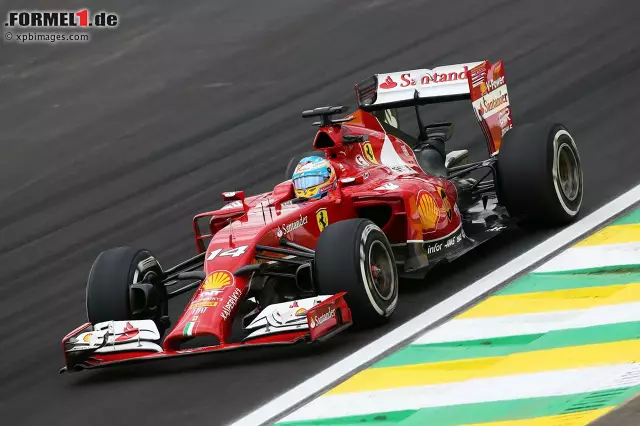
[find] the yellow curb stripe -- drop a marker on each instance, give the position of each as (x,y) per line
(520,363)
(616,234)
(556,300)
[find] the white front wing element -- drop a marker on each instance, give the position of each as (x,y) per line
(119,336)
(440,82)
(283,317)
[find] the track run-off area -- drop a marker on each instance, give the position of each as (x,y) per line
(556,346)
(121,140)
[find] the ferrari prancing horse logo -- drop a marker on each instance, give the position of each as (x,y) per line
(446,205)
(367,149)
(322,218)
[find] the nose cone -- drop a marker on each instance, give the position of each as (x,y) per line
(210,312)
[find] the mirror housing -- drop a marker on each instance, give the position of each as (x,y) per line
(233,195)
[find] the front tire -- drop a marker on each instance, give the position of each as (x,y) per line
(355,256)
(110,296)
(540,174)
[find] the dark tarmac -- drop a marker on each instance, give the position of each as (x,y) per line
(121,140)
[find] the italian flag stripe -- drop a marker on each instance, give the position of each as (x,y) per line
(188,329)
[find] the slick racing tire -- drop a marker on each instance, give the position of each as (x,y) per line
(355,256)
(296,159)
(539,174)
(110,295)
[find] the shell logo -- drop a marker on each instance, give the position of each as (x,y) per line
(218,280)
(483,89)
(301,312)
(428,211)
(497,69)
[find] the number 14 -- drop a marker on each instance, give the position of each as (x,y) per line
(235,252)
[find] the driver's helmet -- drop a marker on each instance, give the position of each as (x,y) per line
(313,177)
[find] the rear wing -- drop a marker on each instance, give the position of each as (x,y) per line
(481,82)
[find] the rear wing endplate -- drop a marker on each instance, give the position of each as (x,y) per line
(481,82)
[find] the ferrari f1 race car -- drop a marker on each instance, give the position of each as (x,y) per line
(325,248)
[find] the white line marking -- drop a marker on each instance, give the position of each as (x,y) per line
(311,387)
(488,389)
(589,257)
(518,325)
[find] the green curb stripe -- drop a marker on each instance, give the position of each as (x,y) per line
(538,282)
(613,269)
(496,411)
(519,409)
(503,346)
(630,219)
(379,419)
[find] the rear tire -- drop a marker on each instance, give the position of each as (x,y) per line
(109,296)
(539,174)
(355,256)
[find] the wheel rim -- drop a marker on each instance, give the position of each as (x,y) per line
(138,305)
(568,172)
(567,178)
(381,274)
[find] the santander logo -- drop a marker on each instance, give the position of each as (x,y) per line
(285,229)
(445,75)
(318,320)
(388,83)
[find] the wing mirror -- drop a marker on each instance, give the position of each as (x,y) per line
(233,195)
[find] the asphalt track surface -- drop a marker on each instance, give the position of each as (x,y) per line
(121,140)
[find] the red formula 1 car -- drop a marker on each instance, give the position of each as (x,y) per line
(277,269)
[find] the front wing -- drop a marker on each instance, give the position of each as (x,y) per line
(127,342)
